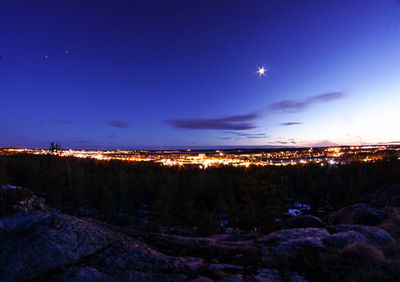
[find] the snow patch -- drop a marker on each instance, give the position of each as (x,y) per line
(298,209)
(8,186)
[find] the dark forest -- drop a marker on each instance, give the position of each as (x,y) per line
(244,198)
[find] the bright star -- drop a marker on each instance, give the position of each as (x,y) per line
(261,71)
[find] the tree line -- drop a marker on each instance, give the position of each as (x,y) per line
(245,198)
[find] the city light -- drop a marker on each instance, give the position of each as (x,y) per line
(234,157)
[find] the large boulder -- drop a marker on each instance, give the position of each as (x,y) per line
(293,234)
(284,244)
(294,246)
(345,238)
(358,214)
(374,235)
(36,245)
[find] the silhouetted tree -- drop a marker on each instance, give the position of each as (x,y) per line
(54,147)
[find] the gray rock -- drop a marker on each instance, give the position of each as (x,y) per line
(342,239)
(292,234)
(36,245)
(267,274)
(358,214)
(292,247)
(225,267)
(375,236)
(289,242)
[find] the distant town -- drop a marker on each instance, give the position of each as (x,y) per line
(228,157)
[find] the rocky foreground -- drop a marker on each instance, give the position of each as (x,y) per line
(356,243)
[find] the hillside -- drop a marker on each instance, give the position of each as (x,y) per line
(356,243)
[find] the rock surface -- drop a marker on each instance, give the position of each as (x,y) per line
(35,244)
(358,214)
(345,238)
(294,234)
(40,244)
(374,235)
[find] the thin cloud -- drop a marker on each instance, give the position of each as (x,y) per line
(118,123)
(257,137)
(289,123)
(246,121)
(326,97)
(294,106)
(234,122)
(289,142)
(62,121)
(247,135)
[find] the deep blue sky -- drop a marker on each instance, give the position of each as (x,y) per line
(118,74)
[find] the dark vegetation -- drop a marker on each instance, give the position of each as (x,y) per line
(189,196)
(356,238)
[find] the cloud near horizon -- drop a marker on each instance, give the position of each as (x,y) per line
(234,122)
(246,121)
(246,135)
(290,123)
(294,106)
(118,123)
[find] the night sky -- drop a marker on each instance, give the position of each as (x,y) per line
(131,74)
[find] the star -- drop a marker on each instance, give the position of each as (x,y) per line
(261,71)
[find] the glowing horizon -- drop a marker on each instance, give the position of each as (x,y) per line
(183,74)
